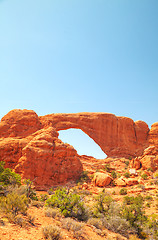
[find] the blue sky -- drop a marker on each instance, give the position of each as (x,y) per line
(67,56)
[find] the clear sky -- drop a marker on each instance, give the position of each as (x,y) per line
(68,56)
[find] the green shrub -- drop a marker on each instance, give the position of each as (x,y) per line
(52,232)
(127,175)
(132,211)
(107,167)
(14,204)
(114,174)
(148,197)
(144,176)
(43,197)
(123,191)
(127,163)
(7,176)
(103,201)
(84,177)
(69,203)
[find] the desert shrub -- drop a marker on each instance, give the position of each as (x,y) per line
(7,176)
(51,232)
(14,204)
(2,164)
(127,163)
(96,222)
(52,212)
(132,211)
(74,226)
(114,174)
(123,191)
(144,176)
(117,224)
(127,175)
(84,177)
(103,201)
(43,197)
(107,167)
(69,203)
(30,192)
(114,209)
(148,197)
(151,227)
(138,200)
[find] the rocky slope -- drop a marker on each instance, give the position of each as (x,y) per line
(29,144)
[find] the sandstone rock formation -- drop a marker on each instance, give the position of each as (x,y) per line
(35,152)
(48,161)
(29,144)
(117,136)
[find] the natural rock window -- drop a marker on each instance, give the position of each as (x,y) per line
(83,144)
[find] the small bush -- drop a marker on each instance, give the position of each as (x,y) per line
(84,177)
(123,191)
(148,197)
(96,222)
(52,232)
(127,163)
(14,204)
(8,177)
(69,203)
(144,176)
(114,174)
(107,167)
(74,226)
(20,221)
(102,204)
(127,175)
(117,224)
(52,212)
(43,197)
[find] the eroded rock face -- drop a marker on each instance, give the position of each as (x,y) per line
(117,136)
(48,161)
(30,145)
(19,123)
(36,152)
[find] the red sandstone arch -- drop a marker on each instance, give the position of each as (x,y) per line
(117,136)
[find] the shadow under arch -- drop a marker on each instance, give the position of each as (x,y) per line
(83,144)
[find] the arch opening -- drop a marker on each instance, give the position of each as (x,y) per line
(83,144)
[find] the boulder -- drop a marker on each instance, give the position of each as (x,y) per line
(120,182)
(135,163)
(131,181)
(149,162)
(101,179)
